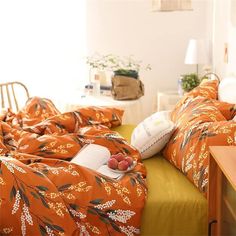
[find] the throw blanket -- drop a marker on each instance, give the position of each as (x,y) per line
(42,193)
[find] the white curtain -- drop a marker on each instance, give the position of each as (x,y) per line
(171,5)
(43,44)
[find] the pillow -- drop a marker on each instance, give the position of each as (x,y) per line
(201,121)
(226,90)
(152,134)
(207,89)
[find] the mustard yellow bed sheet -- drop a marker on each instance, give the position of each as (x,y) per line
(174,205)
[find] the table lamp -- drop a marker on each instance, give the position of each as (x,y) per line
(196,53)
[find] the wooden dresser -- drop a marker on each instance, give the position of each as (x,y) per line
(222,191)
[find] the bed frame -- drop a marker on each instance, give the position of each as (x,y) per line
(10,94)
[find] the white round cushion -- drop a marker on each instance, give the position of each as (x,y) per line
(152,134)
(227,90)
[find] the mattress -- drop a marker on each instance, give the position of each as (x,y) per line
(174,205)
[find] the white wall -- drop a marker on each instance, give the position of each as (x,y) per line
(43,43)
(224,32)
(129,27)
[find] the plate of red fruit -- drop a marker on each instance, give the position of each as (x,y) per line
(120,163)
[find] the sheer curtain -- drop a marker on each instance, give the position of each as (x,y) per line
(43,44)
(171,5)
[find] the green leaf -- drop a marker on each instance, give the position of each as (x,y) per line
(12,193)
(26,200)
(0,172)
(34,195)
(64,187)
(21,193)
(47,219)
(96,201)
(60,125)
(42,145)
(35,106)
(42,230)
(58,228)
(98,180)
(92,211)
(74,206)
(23,187)
(42,188)
(48,152)
(115,227)
(132,181)
(44,202)
(45,171)
(126,150)
(104,220)
(38,173)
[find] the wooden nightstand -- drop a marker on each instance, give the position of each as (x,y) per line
(222,191)
(167,100)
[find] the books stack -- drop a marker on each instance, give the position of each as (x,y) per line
(104,89)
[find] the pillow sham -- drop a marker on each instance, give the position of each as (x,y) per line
(207,89)
(152,134)
(201,121)
(227,88)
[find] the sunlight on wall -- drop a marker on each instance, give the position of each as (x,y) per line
(43,44)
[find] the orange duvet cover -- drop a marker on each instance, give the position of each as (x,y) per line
(42,193)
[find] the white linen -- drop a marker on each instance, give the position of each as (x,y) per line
(95,157)
(227,90)
(92,156)
(151,135)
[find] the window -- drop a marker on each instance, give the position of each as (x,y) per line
(43,44)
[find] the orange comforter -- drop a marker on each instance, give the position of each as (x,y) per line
(42,193)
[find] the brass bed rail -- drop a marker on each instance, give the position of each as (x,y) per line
(9,98)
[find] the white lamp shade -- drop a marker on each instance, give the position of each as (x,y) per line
(191,53)
(196,53)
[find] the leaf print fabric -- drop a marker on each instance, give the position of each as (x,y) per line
(201,121)
(42,193)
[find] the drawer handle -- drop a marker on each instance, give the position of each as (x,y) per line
(209,226)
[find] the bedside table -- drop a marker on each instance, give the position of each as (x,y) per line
(222,191)
(166,100)
(132,108)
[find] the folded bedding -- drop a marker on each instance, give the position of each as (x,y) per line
(43,193)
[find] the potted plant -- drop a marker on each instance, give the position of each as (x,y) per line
(189,81)
(122,66)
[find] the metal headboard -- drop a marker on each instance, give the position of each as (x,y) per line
(9,98)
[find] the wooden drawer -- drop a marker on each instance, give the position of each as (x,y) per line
(222,191)
(228,208)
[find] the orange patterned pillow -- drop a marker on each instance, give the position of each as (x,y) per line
(188,149)
(207,89)
(228,110)
(201,121)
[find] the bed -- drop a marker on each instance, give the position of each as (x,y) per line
(177,202)
(36,138)
(43,193)
(174,205)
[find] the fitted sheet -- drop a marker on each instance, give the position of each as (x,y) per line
(174,205)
